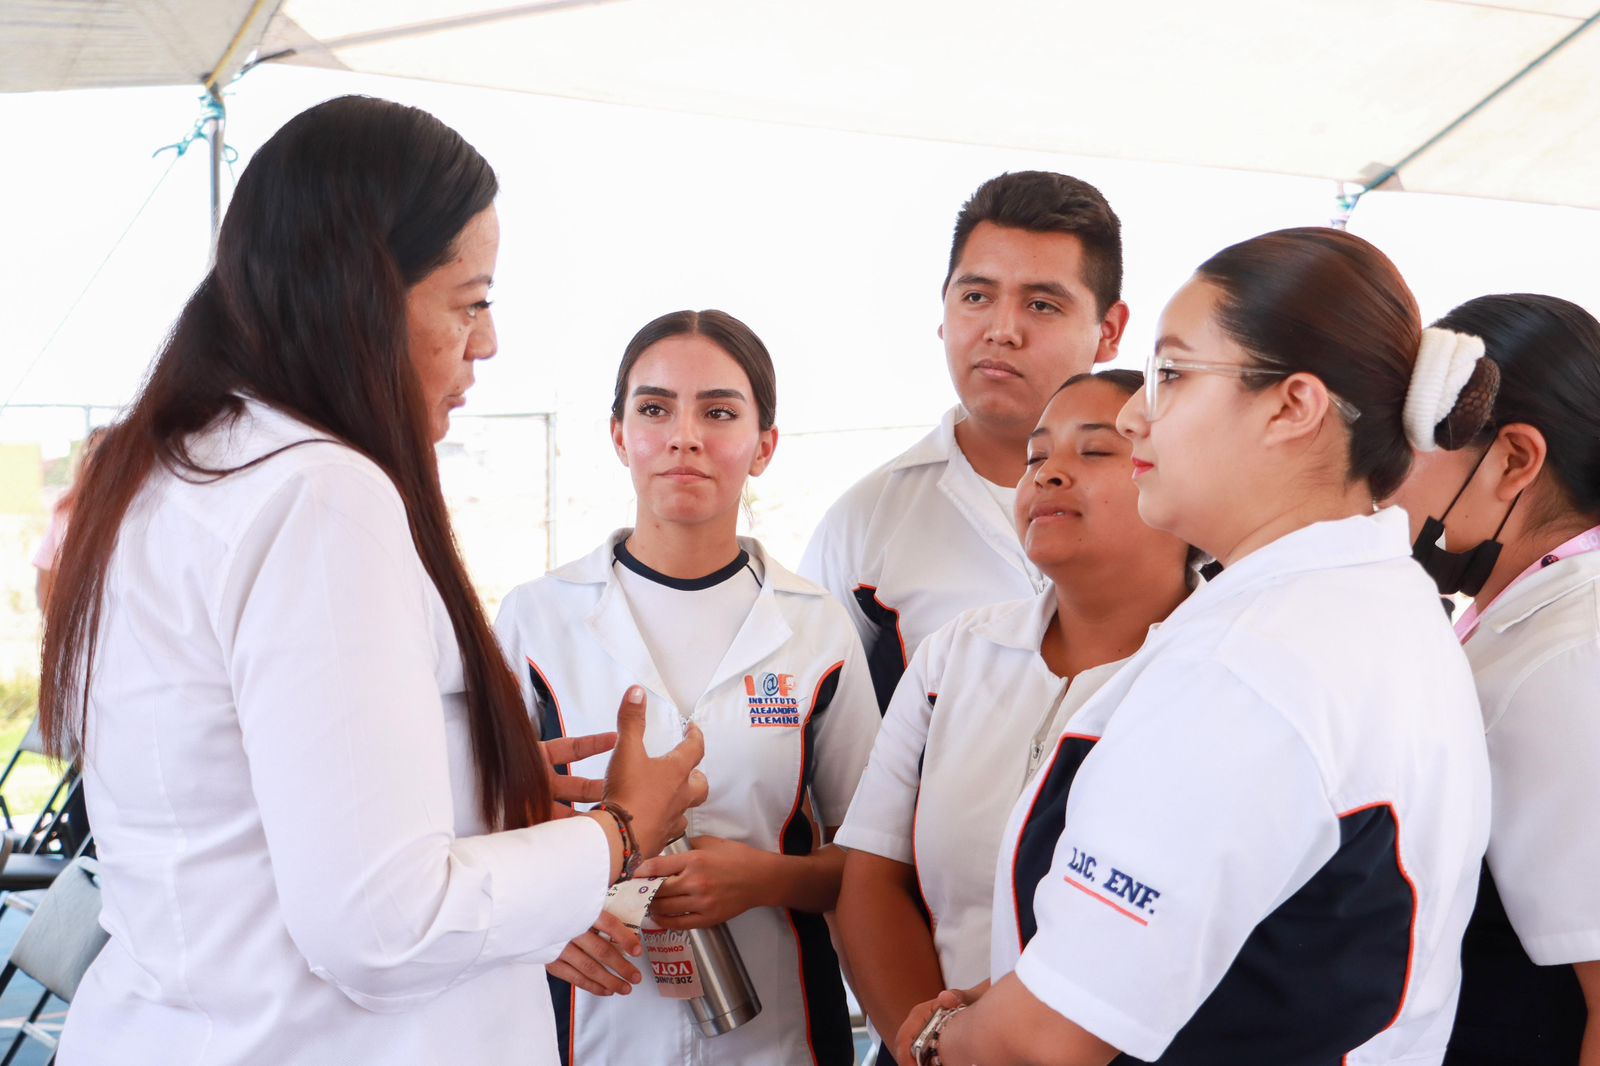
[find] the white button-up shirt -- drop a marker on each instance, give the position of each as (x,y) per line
(1536,657)
(957,746)
(1259,842)
(280,778)
(913,544)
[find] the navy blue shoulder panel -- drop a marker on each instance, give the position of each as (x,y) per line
(827,1010)
(1320,976)
(886,651)
(1036,844)
(1325,972)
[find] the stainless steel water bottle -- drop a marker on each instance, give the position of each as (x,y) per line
(727,997)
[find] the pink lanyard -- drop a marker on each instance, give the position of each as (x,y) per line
(1587,541)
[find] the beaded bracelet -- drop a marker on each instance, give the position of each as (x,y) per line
(630,844)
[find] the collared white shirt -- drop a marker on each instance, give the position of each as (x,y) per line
(1535,654)
(788,713)
(1259,842)
(913,544)
(1536,658)
(280,778)
(972,717)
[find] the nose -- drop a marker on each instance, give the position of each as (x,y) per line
(1052,475)
(483,342)
(1133,420)
(685,434)
(1004,326)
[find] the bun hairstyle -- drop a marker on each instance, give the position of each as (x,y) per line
(1546,354)
(1452,393)
(1324,302)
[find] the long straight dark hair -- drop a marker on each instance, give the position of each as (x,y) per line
(343,210)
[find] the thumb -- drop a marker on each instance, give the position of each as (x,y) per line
(630,718)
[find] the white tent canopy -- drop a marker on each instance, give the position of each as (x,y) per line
(1496,99)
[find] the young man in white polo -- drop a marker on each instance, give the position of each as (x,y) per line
(1033,296)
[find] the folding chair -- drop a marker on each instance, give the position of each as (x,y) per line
(49,824)
(57,946)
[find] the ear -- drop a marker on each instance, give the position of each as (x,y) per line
(768,444)
(940,331)
(1521,454)
(1303,405)
(1112,327)
(616,440)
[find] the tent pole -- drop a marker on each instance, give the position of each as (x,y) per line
(216,126)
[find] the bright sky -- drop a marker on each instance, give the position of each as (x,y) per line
(831,245)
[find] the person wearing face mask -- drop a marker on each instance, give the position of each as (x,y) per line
(725,639)
(1517,507)
(1259,841)
(986,697)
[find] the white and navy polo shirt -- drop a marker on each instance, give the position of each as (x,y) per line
(1536,657)
(788,715)
(976,712)
(913,544)
(1259,842)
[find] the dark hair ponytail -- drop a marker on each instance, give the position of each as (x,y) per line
(340,212)
(1547,351)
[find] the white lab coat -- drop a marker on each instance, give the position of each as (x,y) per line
(577,645)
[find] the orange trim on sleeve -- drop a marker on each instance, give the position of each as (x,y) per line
(1416,902)
(548,687)
(905,660)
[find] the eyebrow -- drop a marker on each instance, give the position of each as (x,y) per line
(1049,288)
(703,394)
(1082,427)
(1171,341)
(481,279)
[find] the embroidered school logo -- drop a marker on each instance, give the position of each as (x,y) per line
(772,700)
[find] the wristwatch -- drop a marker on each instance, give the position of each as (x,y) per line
(925,1048)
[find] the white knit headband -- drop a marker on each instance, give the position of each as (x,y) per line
(1445,361)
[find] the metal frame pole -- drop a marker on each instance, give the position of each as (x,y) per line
(216,130)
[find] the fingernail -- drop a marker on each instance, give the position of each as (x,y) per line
(636,978)
(636,694)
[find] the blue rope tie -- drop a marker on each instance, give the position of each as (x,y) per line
(210,108)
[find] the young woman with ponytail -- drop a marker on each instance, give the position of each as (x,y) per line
(1506,508)
(1259,841)
(323,818)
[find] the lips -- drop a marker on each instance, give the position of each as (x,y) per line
(1140,467)
(1048,509)
(685,474)
(997,369)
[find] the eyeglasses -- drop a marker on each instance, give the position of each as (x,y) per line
(1159,371)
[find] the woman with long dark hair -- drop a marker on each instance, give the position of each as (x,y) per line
(322,816)
(1259,841)
(1510,515)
